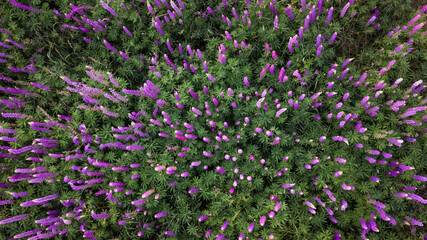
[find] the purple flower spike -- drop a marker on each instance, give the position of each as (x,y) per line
(208,233)
(202,218)
(274,55)
(419,178)
(159,28)
(289,13)
(375,179)
(373,225)
(224,226)
(319,51)
(344,10)
(328,19)
(161,214)
(193,190)
(277,206)
(310,204)
(363,224)
(169,233)
(220,170)
(319,6)
(415,29)
(242,236)
(262,220)
(333,37)
(210,77)
(20,5)
(13,219)
(104,5)
(397,142)
(251,227)
(111,48)
(344,205)
(196,111)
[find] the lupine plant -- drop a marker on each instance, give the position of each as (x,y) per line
(232,119)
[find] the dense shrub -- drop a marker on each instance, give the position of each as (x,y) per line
(211,119)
